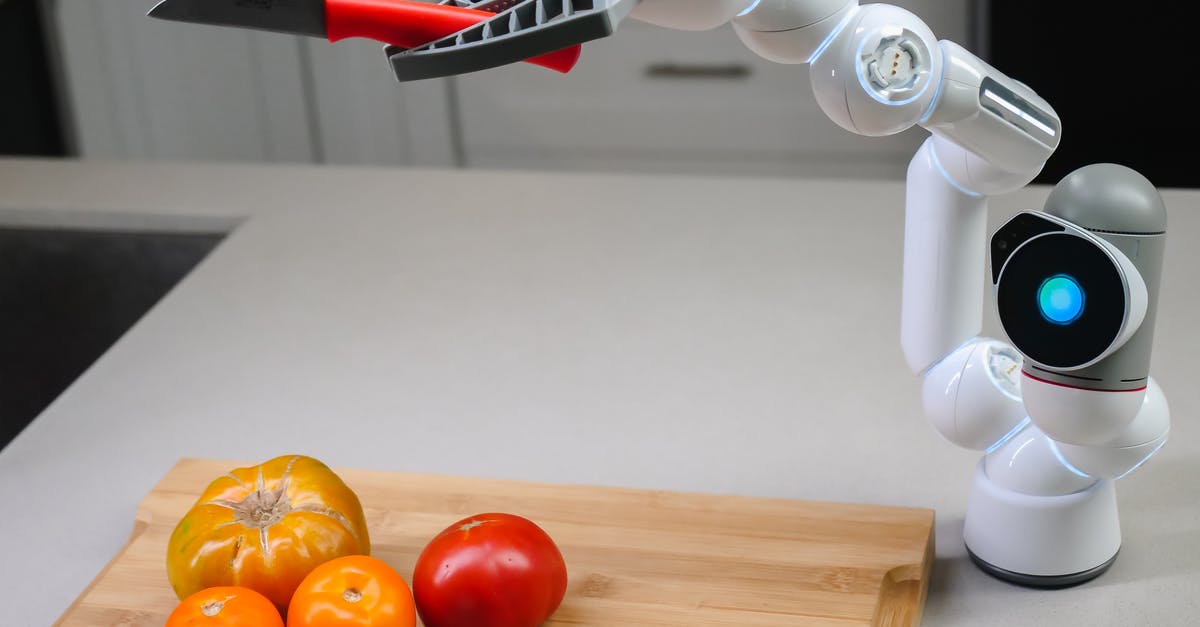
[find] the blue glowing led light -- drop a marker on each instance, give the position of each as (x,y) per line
(1061,299)
(1144,460)
(1066,464)
(937,93)
(1008,436)
(750,8)
(937,163)
(837,30)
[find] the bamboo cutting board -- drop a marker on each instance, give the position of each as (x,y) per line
(635,557)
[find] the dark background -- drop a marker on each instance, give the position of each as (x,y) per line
(1117,78)
(30,123)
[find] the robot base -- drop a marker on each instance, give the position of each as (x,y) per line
(1049,582)
(1042,541)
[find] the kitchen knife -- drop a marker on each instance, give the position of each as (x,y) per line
(401,23)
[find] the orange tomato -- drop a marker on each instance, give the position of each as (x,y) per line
(354,591)
(265,527)
(226,606)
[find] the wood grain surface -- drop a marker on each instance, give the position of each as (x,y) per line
(635,557)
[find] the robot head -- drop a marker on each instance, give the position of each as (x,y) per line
(1066,297)
(1076,288)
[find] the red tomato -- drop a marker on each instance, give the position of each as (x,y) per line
(490,570)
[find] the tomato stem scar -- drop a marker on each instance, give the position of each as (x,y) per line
(352,595)
(212,608)
(262,508)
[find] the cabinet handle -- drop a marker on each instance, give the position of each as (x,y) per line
(730,71)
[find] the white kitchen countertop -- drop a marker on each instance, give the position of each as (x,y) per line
(727,335)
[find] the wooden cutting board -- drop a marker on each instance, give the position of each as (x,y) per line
(635,557)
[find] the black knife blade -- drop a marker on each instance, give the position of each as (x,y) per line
(297,17)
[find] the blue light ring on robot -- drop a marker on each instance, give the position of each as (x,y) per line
(1063,460)
(1144,459)
(1008,436)
(933,102)
(937,163)
(747,10)
(862,81)
(829,39)
(937,91)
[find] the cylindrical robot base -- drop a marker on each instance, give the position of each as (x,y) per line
(1043,541)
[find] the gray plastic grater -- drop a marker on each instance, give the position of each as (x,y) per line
(520,30)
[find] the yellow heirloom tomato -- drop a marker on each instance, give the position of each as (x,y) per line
(265,528)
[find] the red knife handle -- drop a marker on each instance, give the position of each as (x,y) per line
(410,24)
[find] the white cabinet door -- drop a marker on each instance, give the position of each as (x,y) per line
(652,99)
(365,117)
(141,88)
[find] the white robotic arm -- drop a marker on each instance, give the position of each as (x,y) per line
(1042,510)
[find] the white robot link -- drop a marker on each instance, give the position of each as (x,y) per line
(1062,412)
(1072,407)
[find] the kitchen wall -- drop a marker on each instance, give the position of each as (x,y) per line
(145,89)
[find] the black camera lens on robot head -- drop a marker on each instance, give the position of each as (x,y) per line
(1065,297)
(1076,285)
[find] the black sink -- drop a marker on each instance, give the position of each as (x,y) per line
(66,296)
